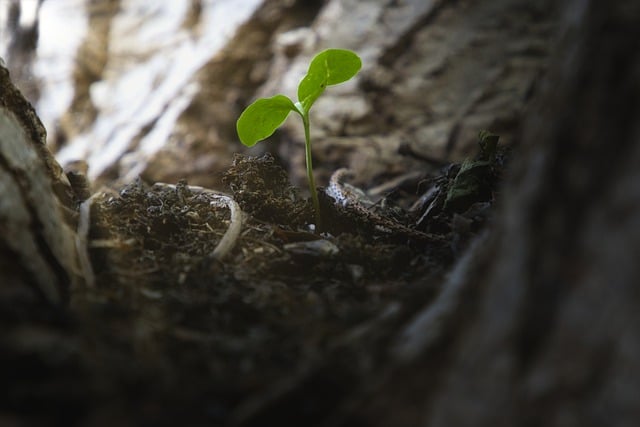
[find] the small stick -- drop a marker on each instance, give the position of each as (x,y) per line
(230,237)
(346,196)
(82,238)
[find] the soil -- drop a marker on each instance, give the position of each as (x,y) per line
(291,319)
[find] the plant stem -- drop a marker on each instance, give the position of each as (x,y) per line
(312,183)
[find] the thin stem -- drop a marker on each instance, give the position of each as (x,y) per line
(312,183)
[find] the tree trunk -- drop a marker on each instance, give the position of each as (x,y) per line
(38,264)
(539,323)
(37,247)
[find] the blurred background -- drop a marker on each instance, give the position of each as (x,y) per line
(153,88)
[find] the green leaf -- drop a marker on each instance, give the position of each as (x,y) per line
(488,144)
(329,67)
(261,119)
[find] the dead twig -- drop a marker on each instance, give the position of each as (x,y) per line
(230,237)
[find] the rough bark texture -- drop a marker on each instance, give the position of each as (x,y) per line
(38,265)
(37,245)
(539,325)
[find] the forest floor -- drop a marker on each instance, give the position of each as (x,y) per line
(284,317)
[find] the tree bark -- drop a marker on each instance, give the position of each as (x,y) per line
(37,248)
(539,323)
(38,261)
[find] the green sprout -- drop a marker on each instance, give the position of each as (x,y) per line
(261,119)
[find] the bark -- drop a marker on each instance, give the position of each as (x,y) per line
(539,324)
(38,264)
(37,246)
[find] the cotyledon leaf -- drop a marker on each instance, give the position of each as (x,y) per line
(261,119)
(329,67)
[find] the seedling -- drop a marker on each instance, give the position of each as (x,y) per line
(261,119)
